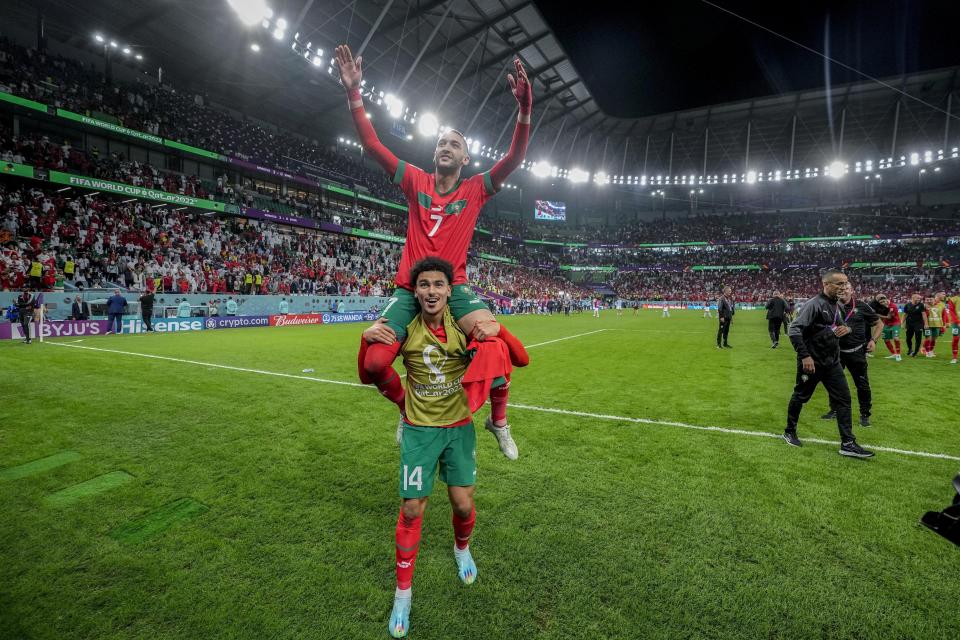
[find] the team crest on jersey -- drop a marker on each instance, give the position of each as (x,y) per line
(455,207)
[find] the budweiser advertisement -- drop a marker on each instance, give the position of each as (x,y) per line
(294,319)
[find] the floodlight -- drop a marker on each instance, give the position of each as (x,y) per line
(113,43)
(317,61)
(541,169)
(394,105)
(428,124)
(601,178)
(475,146)
(281,23)
(139,57)
(278,33)
(98,37)
(250,12)
(914,159)
(751,177)
(579,175)
(255,47)
(837,169)
(126,50)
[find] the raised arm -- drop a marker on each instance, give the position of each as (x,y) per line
(350,76)
(523,92)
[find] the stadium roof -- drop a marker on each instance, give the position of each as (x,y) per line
(451,57)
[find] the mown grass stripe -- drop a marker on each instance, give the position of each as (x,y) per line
(39,466)
(159,520)
(87,488)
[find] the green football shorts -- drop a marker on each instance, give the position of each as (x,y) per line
(403,307)
(891,333)
(933,332)
(955,330)
(423,449)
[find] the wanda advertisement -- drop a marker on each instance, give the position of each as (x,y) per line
(296,319)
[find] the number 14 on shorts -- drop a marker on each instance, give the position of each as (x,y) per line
(413,477)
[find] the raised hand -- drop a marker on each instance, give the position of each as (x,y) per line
(350,69)
(521,88)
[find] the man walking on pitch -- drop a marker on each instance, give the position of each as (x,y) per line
(815,334)
(26,304)
(725,311)
(443,212)
(865,327)
(437,431)
(776,314)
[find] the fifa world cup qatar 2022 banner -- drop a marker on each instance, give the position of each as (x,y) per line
(55,329)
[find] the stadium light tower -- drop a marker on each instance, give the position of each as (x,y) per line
(428,125)
(542,169)
(579,176)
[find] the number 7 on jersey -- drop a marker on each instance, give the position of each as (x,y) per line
(439,218)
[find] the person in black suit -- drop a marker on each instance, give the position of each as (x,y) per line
(146,309)
(80,310)
(776,316)
(725,311)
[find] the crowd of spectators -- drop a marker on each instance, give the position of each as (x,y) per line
(182,116)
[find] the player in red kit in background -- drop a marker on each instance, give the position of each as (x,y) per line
(443,212)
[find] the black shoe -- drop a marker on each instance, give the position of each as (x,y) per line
(790,437)
(29,341)
(726,346)
(853,450)
(913,355)
(829,415)
(719,347)
(864,421)
(775,345)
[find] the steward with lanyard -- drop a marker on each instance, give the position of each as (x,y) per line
(865,328)
(815,335)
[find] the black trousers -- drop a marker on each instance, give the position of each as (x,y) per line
(147,315)
(25,321)
(912,331)
(835,384)
(856,364)
(723,330)
(773,328)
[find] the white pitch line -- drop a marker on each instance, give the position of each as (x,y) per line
(583,414)
(207,364)
(540,344)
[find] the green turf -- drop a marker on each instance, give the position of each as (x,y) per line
(604,528)
(39,466)
(87,488)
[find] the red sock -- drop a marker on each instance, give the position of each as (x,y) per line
(897,342)
(498,402)
(378,365)
(955,346)
(463,527)
(926,344)
(408,543)
(890,346)
(518,354)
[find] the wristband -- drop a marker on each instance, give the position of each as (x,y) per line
(354,94)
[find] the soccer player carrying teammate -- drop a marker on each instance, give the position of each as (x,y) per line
(890,315)
(438,430)
(953,311)
(443,211)
(935,317)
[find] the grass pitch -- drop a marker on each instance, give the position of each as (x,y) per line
(151,498)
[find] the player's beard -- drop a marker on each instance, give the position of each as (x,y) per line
(447,170)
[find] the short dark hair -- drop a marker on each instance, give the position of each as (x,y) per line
(458,132)
(831,272)
(431,263)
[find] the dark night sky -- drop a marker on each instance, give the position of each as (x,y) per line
(642,58)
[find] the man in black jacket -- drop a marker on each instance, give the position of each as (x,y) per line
(815,334)
(913,316)
(146,309)
(776,314)
(725,311)
(26,304)
(865,328)
(80,309)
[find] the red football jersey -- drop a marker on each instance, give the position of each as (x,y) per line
(439,224)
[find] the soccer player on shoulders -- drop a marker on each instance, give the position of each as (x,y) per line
(437,431)
(953,313)
(443,212)
(890,315)
(935,317)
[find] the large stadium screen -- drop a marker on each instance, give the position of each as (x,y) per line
(550,210)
